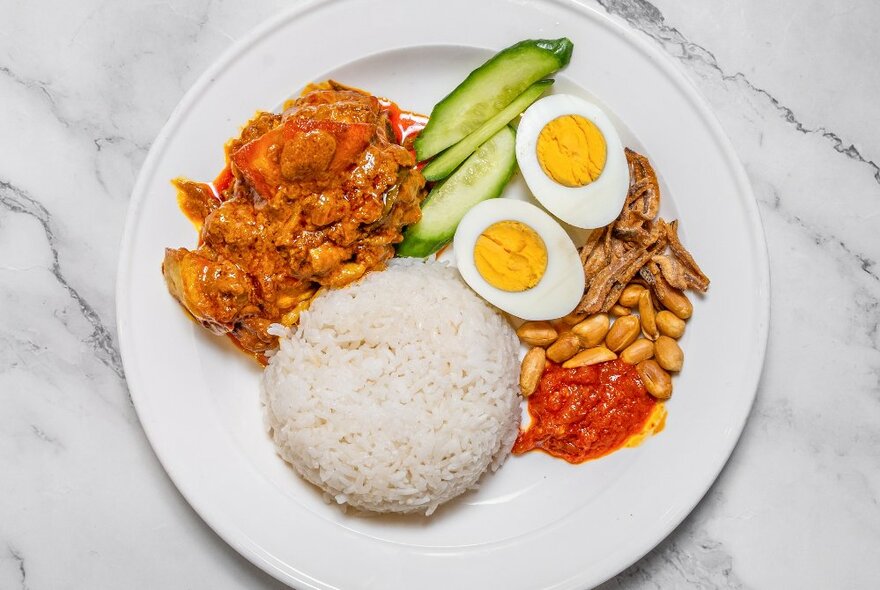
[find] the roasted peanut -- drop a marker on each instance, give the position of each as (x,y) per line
(630,295)
(656,301)
(656,380)
(592,330)
(564,348)
(560,325)
(676,302)
(590,356)
(670,324)
(619,311)
(531,369)
(638,351)
(623,332)
(537,333)
(575,317)
(648,315)
(668,353)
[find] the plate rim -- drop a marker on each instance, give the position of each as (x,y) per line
(630,35)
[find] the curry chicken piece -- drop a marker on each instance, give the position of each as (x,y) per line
(319,195)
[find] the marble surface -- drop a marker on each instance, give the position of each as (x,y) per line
(84,89)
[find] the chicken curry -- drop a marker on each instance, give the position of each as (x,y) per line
(313,197)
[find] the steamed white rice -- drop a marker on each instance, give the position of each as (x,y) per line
(397,393)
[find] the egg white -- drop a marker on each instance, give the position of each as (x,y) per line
(562,285)
(598,203)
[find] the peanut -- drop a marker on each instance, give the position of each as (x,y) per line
(574,317)
(559,325)
(668,353)
(648,315)
(640,350)
(564,348)
(623,332)
(656,380)
(676,302)
(630,295)
(592,330)
(619,311)
(670,324)
(537,333)
(590,356)
(531,369)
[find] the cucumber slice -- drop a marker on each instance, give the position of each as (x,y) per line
(482,176)
(488,89)
(443,165)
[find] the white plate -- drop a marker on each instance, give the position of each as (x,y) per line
(539,522)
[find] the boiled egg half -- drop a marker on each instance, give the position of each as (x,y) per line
(573,161)
(519,259)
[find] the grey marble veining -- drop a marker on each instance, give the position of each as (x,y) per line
(86,86)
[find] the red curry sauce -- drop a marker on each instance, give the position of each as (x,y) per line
(405,124)
(587,412)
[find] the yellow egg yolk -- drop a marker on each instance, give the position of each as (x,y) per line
(510,256)
(571,150)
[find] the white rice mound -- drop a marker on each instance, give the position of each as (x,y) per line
(397,393)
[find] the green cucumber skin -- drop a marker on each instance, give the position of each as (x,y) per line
(443,165)
(437,227)
(490,88)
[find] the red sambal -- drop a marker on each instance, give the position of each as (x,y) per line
(587,412)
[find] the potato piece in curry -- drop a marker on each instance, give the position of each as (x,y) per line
(318,196)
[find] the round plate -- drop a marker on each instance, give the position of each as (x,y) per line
(539,522)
